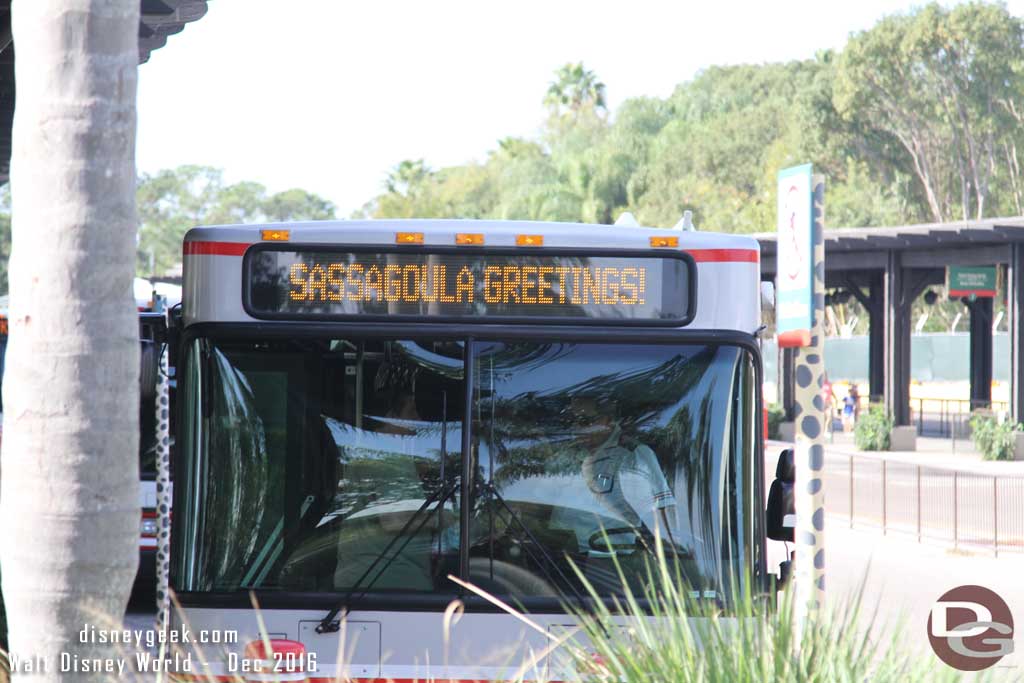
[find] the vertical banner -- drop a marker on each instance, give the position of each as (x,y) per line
(794,271)
(809,455)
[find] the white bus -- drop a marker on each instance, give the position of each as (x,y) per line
(368,407)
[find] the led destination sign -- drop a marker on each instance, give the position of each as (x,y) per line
(325,283)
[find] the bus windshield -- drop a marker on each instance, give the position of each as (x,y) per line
(334,465)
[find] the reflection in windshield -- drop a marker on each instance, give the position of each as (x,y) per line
(599,447)
(232,473)
(366,433)
(334,465)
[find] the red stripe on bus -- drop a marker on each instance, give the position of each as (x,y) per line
(334,679)
(215,248)
(724,255)
(411,680)
(699,255)
(415,680)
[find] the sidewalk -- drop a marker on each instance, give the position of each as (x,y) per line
(931,451)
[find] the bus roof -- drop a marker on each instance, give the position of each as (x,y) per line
(728,272)
(497,233)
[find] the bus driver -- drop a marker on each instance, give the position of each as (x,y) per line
(624,477)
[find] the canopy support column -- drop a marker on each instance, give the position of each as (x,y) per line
(901,289)
(873,302)
(1015,309)
(897,342)
(981,352)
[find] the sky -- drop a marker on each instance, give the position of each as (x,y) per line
(328,95)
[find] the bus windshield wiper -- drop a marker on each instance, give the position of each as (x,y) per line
(542,558)
(330,624)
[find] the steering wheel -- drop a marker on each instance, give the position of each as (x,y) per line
(600,540)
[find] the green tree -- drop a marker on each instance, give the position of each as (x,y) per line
(172,201)
(238,203)
(575,89)
(411,192)
(858,198)
(169,203)
(407,176)
(527,183)
(297,205)
(919,118)
(729,131)
(938,81)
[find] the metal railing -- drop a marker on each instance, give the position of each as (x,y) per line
(930,503)
(949,417)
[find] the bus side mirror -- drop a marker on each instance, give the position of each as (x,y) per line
(781,512)
(785,575)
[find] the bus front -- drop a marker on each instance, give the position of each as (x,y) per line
(367,409)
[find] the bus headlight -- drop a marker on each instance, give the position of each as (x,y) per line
(149,527)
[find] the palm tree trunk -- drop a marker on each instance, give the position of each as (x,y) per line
(69,492)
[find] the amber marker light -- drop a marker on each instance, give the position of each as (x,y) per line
(664,241)
(275,235)
(408,238)
(469,238)
(530,240)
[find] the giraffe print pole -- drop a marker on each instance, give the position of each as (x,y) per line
(163,492)
(809,457)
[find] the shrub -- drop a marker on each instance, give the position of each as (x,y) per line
(872,431)
(994,439)
(775,417)
(759,646)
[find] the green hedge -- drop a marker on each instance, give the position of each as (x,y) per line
(872,431)
(994,439)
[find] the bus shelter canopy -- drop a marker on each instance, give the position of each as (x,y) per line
(885,269)
(159,19)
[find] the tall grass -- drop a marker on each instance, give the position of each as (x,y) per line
(662,634)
